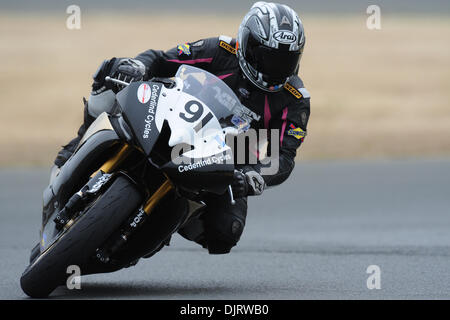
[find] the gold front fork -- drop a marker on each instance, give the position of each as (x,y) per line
(162,191)
(117,159)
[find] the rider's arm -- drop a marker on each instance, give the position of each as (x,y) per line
(165,63)
(291,123)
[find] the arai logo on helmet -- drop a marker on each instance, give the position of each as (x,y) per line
(284,36)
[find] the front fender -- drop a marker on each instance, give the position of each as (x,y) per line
(76,171)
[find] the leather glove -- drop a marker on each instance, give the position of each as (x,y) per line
(247,183)
(124,69)
(129,70)
(105,69)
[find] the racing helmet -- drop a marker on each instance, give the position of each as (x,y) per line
(270,44)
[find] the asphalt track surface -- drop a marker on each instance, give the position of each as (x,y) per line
(311,238)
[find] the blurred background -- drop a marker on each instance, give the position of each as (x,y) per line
(376,94)
(373,184)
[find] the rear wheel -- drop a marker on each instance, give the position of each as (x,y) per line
(79,243)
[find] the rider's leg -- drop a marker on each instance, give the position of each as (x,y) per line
(67,150)
(220,227)
(224,223)
(98,103)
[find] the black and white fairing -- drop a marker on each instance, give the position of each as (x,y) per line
(200,110)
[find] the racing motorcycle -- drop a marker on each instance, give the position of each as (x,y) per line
(137,176)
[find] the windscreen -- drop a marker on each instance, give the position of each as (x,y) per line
(217,96)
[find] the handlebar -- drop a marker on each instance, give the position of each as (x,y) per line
(123,83)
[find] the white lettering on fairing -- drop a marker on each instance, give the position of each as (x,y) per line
(151,112)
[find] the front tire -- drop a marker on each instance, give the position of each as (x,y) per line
(80,242)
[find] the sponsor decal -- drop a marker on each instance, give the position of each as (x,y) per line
(100,182)
(240,123)
(244,92)
(247,114)
(143,93)
(138,218)
(218,159)
(151,110)
(184,49)
(292,90)
(198,43)
(298,133)
(227,47)
(285,37)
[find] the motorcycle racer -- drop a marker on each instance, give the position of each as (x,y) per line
(261,67)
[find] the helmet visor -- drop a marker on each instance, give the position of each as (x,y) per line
(275,64)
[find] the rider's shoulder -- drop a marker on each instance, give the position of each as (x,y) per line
(206,43)
(296,88)
(223,44)
(227,44)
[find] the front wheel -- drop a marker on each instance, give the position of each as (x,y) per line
(79,243)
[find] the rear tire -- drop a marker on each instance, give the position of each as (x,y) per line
(80,242)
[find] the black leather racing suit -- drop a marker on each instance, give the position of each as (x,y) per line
(286,111)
